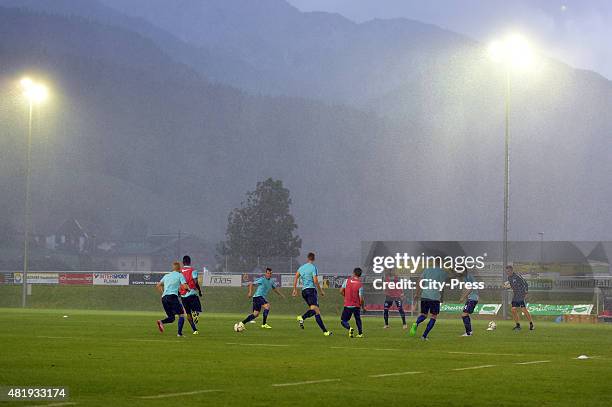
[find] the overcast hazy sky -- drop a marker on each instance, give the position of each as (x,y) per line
(578,32)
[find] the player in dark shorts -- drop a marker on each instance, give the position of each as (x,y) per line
(430,301)
(264,284)
(189,297)
(394,296)
(520,289)
(470,296)
(352,291)
(169,287)
(308,273)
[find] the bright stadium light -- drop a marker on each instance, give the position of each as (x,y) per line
(34,92)
(514,51)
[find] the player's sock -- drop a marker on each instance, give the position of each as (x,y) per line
(265,315)
(420,319)
(168,320)
(181,322)
(359,325)
(345,324)
(320,322)
(467,323)
(309,314)
(403,315)
(430,326)
(248,319)
(192,324)
(386,315)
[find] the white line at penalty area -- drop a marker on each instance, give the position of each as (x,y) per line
(306,382)
(394,374)
(532,363)
(473,367)
(189,393)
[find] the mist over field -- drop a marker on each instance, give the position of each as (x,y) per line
(386,129)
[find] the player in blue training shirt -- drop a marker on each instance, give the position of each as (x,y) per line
(470,296)
(430,295)
(169,287)
(264,285)
(310,284)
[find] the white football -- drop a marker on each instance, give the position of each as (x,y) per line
(507,284)
(492,326)
(238,327)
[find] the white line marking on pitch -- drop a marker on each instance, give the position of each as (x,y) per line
(531,363)
(154,340)
(189,393)
(486,353)
(394,374)
(56,337)
(307,382)
(473,367)
(254,344)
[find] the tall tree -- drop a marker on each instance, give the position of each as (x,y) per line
(262,227)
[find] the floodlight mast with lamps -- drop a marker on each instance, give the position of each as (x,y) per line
(515,53)
(35,93)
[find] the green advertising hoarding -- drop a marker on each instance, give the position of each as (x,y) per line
(483,309)
(534,309)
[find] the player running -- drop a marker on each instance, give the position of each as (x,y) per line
(189,296)
(310,283)
(264,285)
(470,296)
(430,298)
(394,295)
(520,289)
(169,287)
(352,291)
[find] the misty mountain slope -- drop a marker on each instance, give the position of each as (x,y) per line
(170,132)
(318,55)
(216,65)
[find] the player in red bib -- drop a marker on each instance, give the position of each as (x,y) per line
(352,290)
(189,298)
(394,295)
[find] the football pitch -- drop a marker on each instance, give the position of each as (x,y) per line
(121,359)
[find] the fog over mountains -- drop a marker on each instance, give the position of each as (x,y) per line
(389,129)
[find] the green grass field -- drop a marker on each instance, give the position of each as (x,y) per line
(119,358)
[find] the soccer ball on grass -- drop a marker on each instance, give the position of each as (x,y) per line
(492,326)
(238,327)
